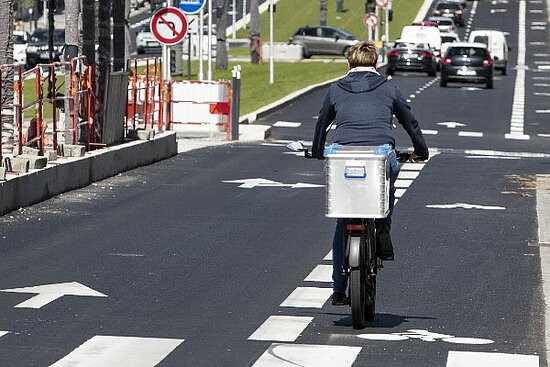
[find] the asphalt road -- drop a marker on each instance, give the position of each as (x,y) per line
(199,259)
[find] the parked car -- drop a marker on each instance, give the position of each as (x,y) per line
(20,43)
(37,49)
(449,9)
(411,56)
(445,24)
(146,41)
(323,40)
(496,44)
(467,62)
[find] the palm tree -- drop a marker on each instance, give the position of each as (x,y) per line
(6,57)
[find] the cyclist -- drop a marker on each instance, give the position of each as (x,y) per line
(361,104)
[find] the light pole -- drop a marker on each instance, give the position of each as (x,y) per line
(271,63)
(209,76)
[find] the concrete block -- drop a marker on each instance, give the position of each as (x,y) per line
(73,150)
(30,151)
(141,134)
(51,155)
(20,164)
(2,174)
(37,162)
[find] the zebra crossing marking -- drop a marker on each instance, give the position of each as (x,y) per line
(484,359)
(306,355)
(321,273)
(307,297)
(281,328)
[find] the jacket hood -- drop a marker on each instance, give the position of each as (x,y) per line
(361,81)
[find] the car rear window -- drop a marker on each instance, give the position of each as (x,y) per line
(482,39)
(447,39)
(467,51)
(447,6)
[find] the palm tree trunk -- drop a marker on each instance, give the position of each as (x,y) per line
(6,57)
(221,46)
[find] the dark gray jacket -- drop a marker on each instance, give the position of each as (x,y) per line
(362,104)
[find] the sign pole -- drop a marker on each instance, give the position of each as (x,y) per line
(209,77)
(271,61)
(201,45)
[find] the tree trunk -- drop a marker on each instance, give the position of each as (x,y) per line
(323,13)
(221,26)
(254,34)
(88,30)
(72,12)
(119,35)
(6,57)
(104,54)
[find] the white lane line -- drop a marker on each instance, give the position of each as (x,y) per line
(429,132)
(541,85)
(542,111)
(541,78)
(518,104)
(535,11)
(408,175)
(544,67)
(287,124)
(307,297)
(537,43)
(321,273)
(328,257)
(542,94)
(303,355)
(281,328)
(495,153)
(412,166)
(403,184)
(483,359)
(471,134)
(465,206)
(119,351)
(544,135)
(481,157)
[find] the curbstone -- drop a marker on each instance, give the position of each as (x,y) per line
(73,150)
(30,151)
(51,155)
(141,134)
(20,164)
(37,162)
(2,174)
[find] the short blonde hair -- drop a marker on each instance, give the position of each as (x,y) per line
(364,53)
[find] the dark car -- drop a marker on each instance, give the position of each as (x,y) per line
(411,56)
(467,62)
(37,49)
(449,9)
(323,40)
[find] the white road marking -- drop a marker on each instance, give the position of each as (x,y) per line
(426,336)
(412,166)
(493,11)
(399,193)
(495,153)
(542,94)
(517,121)
(287,124)
(451,124)
(538,23)
(251,183)
(542,111)
(482,359)
(489,157)
(125,255)
(321,273)
(303,355)
(403,184)
(383,337)
(541,78)
(538,28)
(408,175)
(471,134)
(50,292)
(535,11)
(328,256)
(307,297)
(543,208)
(429,132)
(2,333)
(464,206)
(281,328)
(544,67)
(544,135)
(541,85)
(119,351)
(537,43)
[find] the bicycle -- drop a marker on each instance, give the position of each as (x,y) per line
(360,262)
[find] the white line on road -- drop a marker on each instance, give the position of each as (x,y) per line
(302,355)
(399,193)
(281,328)
(2,333)
(287,124)
(403,184)
(328,256)
(544,135)
(465,206)
(471,134)
(119,351)
(543,219)
(495,153)
(429,132)
(307,297)
(321,273)
(482,359)
(542,94)
(542,111)
(408,175)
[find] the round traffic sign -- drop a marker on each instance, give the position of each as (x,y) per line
(191,6)
(371,20)
(382,3)
(169,25)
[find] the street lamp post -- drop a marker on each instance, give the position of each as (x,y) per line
(271,61)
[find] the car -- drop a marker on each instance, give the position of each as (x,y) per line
(449,9)
(20,43)
(146,41)
(496,44)
(323,40)
(445,24)
(467,62)
(411,56)
(37,49)
(446,39)
(425,23)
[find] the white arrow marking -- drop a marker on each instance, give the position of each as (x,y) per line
(465,206)
(50,292)
(451,124)
(2,333)
(262,182)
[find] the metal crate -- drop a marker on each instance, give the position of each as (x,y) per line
(357,182)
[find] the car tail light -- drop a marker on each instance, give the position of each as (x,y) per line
(427,55)
(393,53)
(447,61)
(487,62)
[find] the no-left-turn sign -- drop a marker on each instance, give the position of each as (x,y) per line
(169,25)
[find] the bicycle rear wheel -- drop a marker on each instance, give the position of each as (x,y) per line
(371,267)
(358,298)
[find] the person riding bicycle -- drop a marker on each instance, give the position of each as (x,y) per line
(362,104)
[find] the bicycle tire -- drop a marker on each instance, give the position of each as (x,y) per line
(357,298)
(370,271)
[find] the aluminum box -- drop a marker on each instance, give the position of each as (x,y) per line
(357,182)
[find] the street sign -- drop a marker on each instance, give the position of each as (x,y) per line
(191,6)
(382,3)
(169,25)
(371,20)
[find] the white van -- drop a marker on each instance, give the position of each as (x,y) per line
(423,34)
(496,44)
